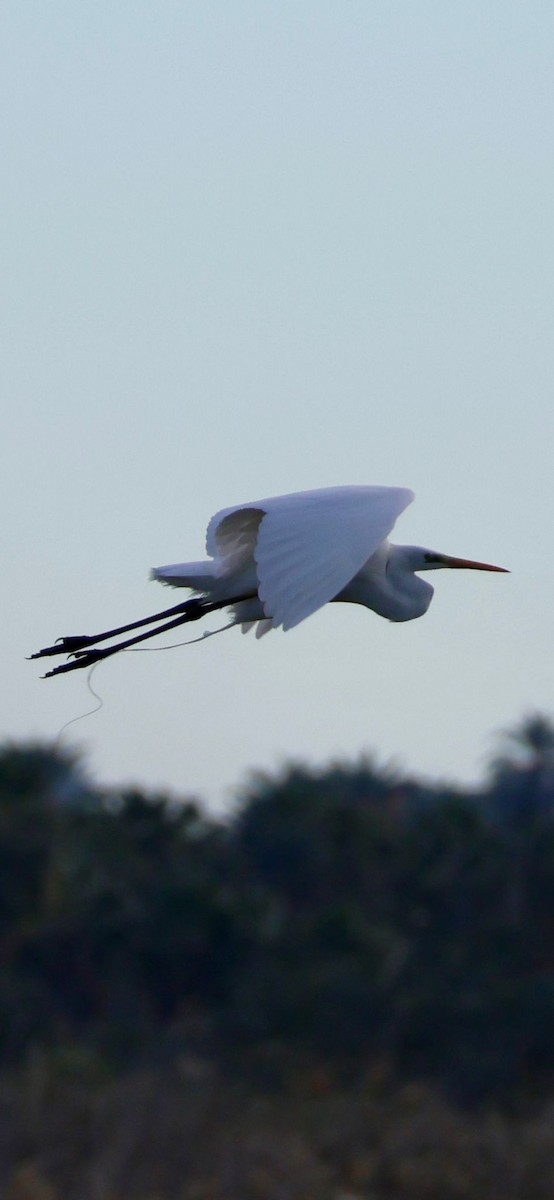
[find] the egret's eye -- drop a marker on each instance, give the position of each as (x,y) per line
(432,558)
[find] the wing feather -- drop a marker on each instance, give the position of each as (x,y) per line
(307,546)
(231,538)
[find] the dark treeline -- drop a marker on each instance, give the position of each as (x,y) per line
(342,917)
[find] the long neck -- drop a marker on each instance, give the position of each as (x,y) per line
(387,583)
(406,592)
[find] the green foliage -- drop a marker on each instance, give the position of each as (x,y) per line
(349,915)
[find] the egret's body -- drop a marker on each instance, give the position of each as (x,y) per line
(298,552)
(275,562)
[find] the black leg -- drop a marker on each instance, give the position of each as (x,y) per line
(87,658)
(77,647)
(70,645)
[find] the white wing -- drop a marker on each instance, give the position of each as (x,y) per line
(231,537)
(306,546)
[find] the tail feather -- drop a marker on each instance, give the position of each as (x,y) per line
(200,576)
(262,626)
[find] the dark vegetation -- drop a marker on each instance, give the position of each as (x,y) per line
(346,984)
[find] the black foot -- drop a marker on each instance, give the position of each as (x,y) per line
(87,658)
(65,645)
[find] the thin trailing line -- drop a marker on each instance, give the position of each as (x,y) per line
(90,711)
(134,650)
(174,645)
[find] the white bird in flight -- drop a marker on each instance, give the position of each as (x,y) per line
(274,562)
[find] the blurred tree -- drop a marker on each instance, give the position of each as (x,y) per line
(523,772)
(323,847)
(35,782)
(345,913)
(521,800)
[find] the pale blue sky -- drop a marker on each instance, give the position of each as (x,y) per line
(251,248)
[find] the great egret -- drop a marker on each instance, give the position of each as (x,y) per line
(274,562)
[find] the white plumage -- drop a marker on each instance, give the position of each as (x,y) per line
(298,552)
(275,562)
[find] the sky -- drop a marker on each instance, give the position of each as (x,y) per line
(263,247)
